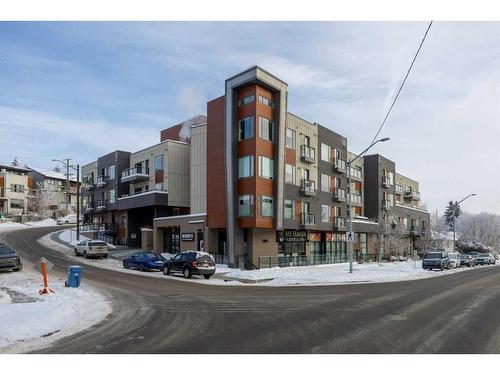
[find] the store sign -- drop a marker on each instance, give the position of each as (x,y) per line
(186,237)
(291,235)
(314,236)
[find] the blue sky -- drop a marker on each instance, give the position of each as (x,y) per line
(80,90)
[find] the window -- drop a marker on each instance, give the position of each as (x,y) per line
(159,163)
(111,172)
(325,152)
(246,100)
(266,206)
(325,213)
(112,196)
(245,166)
(266,101)
(16,188)
(290,138)
(17,203)
(245,205)
(159,186)
(289,209)
(266,167)
(290,174)
(246,128)
(265,129)
(325,183)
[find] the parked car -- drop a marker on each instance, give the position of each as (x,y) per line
(144,261)
(191,263)
(436,259)
(467,260)
(92,248)
(70,219)
(484,258)
(9,259)
(454,260)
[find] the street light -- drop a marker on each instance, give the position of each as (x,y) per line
(66,163)
(349,228)
(454,218)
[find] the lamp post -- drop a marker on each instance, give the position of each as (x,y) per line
(349,227)
(66,163)
(455,219)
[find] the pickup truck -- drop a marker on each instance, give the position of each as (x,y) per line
(436,260)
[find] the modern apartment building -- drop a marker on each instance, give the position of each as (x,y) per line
(15,191)
(51,190)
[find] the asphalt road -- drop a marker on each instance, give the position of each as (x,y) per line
(458,313)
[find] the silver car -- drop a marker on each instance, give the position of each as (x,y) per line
(92,248)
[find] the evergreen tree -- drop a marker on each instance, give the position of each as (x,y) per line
(451,214)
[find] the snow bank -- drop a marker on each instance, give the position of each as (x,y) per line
(30,321)
(69,236)
(7,226)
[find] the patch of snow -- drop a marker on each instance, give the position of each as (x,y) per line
(42,223)
(38,321)
(69,236)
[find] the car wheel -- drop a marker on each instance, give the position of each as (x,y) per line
(166,271)
(125,265)
(186,272)
(66,222)
(18,268)
(442,267)
(105,257)
(142,268)
(85,255)
(207,276)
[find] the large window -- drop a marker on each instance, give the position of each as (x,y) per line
(245,205)
(325,152)
(266,167)
(111,172)
(16,203)
(290,138)
(112,196)
(325,183)
(16,188)
(245,166)
(159,163)
(265,129)
(266,206)
(266,101)
(289,209)
(290,174)
(246,128)
(325,213)
(246,100)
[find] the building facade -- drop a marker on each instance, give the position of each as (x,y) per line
(15,191)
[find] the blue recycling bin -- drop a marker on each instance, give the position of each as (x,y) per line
(74,276)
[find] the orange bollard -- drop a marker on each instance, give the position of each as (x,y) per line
(46,289)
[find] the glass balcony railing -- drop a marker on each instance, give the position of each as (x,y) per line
(412,194)
(101,203)
(356,173)
(386,181)
(101,180)
(356,199)
(307,153)
(135,173)
(308,218)
(338,222)
(399,189)
(339,165)
(339,194)
(308,186)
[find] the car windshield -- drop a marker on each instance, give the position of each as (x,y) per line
(433,256)
(464,256)
(6,250)
(97,243)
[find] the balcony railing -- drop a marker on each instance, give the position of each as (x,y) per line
(339,195)
(399,189)
(101,204)
(339,165)
(101,180)
(356,174)
(412,194)
(308,219)
(386,181)
(356,199)
(307,187)
(307,154)
(339,223)
(89,206)
(143,192)
(386,204)
(137,173)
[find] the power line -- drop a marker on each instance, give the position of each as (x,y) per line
(403,83)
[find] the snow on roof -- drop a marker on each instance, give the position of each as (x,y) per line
(53,174)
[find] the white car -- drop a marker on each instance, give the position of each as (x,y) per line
(92,248)
(70,219)
(454,259)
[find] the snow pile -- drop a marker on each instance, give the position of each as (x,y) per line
(339,274)
(69,236)
(42,223)
(11,225)
(30,321)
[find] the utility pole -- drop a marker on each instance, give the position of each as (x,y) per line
(457,205)
(67,185)
(78,202)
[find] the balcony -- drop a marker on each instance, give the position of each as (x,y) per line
(135,174)
(339,223)
(101,181)
(356,199)
(307,187)
(144,198)
(2,194)
(308,220)
(386,204)
(339,195)
(88,187)
(102,204)
(399,189)
(307,154)
(89,206)
(339,165)
(386,182)
(412,194)
(356,174)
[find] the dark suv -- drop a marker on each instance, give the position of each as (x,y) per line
(9,259)
(191,263)
(436,260)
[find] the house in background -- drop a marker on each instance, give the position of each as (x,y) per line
(15,191)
